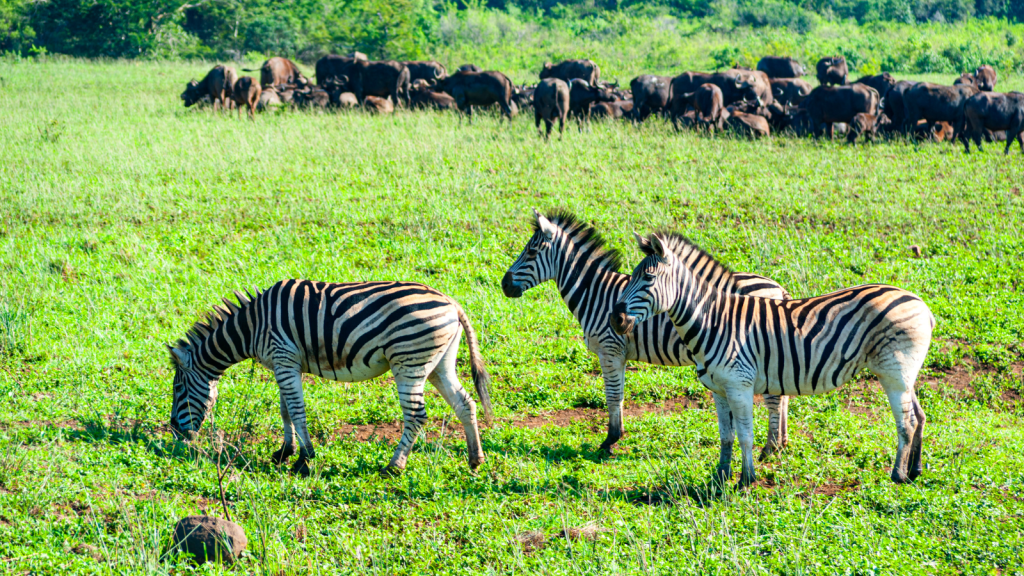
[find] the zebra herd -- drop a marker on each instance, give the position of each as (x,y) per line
(680,307)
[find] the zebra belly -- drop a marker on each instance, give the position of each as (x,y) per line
(359,370)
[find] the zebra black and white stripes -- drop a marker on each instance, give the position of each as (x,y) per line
(586,272)
(744,345)
(345,332)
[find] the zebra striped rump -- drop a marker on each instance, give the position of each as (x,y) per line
(744,345)
(345,332)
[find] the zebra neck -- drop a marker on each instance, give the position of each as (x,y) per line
(227,344)
(694,313)
(583,276)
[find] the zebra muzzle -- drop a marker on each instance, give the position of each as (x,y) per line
(621,323)
(509,287)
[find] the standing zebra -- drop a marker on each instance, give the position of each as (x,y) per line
(745,345)
(344,332)
(574,255)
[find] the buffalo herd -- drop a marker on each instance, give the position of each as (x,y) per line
(772,98)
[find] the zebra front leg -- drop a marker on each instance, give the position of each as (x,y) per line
(289,381)
(288,447)
(613,369)
(778,429)
(741,402)
(725,437)
(445,378)
(414,416)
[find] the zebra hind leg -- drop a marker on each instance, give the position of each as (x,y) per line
(902,404)
(778,425)
(288,446)
(414,416)
(915,450)
(445,378)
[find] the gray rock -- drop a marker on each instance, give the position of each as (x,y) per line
(210,539)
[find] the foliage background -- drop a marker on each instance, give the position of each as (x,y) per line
(910,36)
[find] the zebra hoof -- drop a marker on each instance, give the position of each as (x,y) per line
(899,478)
(768,451)
(746,480)
(475,463)
(390,471)
(282,455)
(301,468)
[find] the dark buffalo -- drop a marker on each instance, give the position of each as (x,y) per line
(384,79)
(685,83)
(428,70)
(550,103)
(707,103)
(790,91)
(277,71)
(216,85)
(377,105)
(650,94)
(479,89)
(246,92)
(470,68)
(934,103)
(582,95)
(828,105)
(882,83)
(424,98)
(750,125)
(572,69)
(832,70)
(985,78)
(333,68)
(865,125)
(616,109)
(739,85)
(311,97)
(965,78)
(780,67)
(992,112)
(523,96)
(893,106)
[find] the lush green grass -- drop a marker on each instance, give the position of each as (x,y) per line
(124,217)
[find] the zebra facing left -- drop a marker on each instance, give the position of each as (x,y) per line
(344,332)
(746,345)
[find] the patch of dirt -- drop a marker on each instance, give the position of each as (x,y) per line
(829,489)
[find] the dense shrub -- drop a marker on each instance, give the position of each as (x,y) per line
(625,36)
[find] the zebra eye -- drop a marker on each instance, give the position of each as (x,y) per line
(648,276)
(531,252)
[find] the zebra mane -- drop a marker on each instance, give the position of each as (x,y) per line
(583,234)
(213,320)
(689,253)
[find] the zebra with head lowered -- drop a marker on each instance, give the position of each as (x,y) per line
(587,274)
(345,332)
(746,345)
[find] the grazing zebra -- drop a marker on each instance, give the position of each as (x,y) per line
(344,332)
(745,345)
(587,274)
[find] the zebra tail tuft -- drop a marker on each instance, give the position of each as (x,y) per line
(481,379)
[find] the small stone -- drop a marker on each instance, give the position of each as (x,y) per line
(916,250)
(88,550)
(207,538)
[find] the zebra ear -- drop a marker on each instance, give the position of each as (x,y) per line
(545,225)
(657,248)
(643,243)
(178,356)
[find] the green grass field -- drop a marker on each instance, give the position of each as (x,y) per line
(124,217)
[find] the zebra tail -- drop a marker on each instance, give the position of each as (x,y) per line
(481,379)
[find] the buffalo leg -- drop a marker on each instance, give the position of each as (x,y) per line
(548,125)
(536,120)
